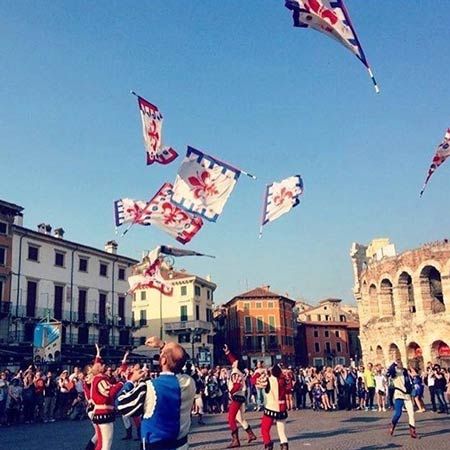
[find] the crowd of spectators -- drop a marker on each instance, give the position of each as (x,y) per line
(32,395)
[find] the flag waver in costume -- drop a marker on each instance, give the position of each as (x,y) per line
(332,18)
(152,121)
(161,212)
(442,153)
(280,198)
(203,184)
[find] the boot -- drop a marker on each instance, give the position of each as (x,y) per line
(234,440)
(90,445)
(128,435)
(284,446)
(412,432)
(250,435)
(391,430)
(268,446)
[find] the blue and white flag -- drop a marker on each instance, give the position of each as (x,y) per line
(203,184)
(331,18)
(280,198)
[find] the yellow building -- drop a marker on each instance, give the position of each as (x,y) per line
(185,317)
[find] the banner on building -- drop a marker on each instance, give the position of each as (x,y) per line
(47,342)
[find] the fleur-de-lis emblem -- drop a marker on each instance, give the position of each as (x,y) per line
(153,134)
(325,13)
(137,213)
(279,198)
(203,185)
(172,214)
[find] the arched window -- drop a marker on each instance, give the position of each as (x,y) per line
(440,353)
(373,301)
(431,287)
(415,356)
(387,307)
(394,353)
(379,356)
(406,293)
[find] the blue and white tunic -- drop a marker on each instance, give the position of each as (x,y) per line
(165,404)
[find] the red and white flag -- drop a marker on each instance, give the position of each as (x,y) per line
(280,198)
(167,216)
(152,122)
(442,153)
(148,275)
(161,212)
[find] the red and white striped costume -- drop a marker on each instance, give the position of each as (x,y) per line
(275,407)
(102,398)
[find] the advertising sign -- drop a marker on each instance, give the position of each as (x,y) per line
(47,342)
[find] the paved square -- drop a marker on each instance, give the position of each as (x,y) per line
(307,430)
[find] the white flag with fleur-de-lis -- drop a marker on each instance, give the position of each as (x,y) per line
(281,197)
(203,184)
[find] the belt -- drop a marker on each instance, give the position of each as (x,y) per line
(168,444)
(103,407)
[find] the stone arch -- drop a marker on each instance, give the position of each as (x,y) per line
(373,301)
(394,352)
(406,294)
(431,290)
(379,356)
(440,353)
(387,308)
(414,356)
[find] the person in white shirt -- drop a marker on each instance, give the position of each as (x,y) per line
(380,389)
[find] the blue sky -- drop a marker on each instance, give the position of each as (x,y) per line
(235,79)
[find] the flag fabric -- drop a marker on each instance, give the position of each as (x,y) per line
(204,184)
(281,197)
(172,251)
(331,18)
(161,212)
(167,216)
(148,275)
(131,211)
(442,153)
(152,121)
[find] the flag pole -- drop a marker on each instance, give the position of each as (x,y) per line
(223,162)
(266,193)
(374,81)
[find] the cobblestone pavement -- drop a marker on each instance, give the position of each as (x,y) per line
(307,430)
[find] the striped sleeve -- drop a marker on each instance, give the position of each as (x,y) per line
(131,399)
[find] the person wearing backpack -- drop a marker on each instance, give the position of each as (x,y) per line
(403,386)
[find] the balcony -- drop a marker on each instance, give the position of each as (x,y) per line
(188,326)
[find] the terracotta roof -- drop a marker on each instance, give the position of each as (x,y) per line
(259,292)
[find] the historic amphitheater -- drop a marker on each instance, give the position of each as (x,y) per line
(403,302)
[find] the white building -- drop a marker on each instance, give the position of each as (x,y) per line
(84,287)
(185,317)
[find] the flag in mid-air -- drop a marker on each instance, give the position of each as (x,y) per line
(332,18)
(203,184)
(173,251)
(281,197)
(167,216)
(161,212)
(131,211)
(442,153)
(147,275)
(152,121)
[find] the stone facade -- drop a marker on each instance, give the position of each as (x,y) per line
(404,303)
(327,334)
